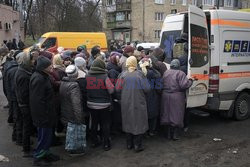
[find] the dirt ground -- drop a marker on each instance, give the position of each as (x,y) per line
(195,149)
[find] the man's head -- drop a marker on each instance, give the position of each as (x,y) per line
(44,64)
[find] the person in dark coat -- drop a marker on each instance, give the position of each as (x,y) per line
(22,79)
(9,45)
(72,109)
(175,84)
(99,90)
(113,72)
(20,45)
(14,44)
(42,110)
(153,97)
(133,86)
(14,111)
(157,57)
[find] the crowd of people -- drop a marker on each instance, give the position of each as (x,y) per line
(89,95)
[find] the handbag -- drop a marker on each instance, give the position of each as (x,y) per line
(75,137)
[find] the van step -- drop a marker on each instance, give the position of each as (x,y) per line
(199,113)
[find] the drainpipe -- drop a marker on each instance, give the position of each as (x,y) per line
(143,21)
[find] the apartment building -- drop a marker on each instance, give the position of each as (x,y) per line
(11,24)
(141,20)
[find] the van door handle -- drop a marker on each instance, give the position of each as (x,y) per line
(205,72)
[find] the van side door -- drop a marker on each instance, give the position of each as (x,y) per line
(198,50)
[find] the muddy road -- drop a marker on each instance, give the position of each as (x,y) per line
(195,149)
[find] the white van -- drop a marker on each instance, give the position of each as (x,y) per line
(219,58)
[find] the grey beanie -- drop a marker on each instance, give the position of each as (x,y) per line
(42,63)
(72,71)
(175,64)
(80,62)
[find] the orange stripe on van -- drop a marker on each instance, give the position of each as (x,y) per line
(200,76)
(235,75)
(222,22)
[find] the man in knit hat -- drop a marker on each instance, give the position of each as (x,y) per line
(128,51)
(42,110)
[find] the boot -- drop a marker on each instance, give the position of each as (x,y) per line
(138,143)
(130,144)
(106,145)
(169,132)
(176,134)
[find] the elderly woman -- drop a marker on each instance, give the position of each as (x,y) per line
(133,86)
(175,84)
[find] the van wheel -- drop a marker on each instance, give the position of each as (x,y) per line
(242,107)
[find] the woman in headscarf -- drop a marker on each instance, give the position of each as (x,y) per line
(153,97)
(133,86)
(81,64)
(113,72)
(57,74)
(175,84)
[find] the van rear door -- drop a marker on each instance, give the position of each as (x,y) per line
(198,66)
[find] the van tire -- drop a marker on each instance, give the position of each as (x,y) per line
(242,106)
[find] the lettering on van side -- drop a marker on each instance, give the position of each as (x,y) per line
(237,48)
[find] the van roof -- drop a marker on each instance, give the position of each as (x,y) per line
(229,14)
(58,34)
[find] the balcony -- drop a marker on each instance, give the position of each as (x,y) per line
(124,6)
(119,24)
(123,24)
(111,8)
(111,25)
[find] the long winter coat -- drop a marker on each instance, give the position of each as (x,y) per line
(10,72)
(42,100)
(71,102)
(22,80)
(133,87)
(173,101)
(153,97)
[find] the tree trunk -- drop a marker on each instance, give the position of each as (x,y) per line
(27,18)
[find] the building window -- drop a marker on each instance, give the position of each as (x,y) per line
(172,2)
(157,33)
(184,2)
(122,16)
(159,16)
(1,25)
(208,2)
(194,2)
(110,2)
(173,11)
(228,3)
(159,1)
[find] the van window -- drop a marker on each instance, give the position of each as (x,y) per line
(50,42)
(167,43)
(199,46)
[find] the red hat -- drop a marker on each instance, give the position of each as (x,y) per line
(129,49)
